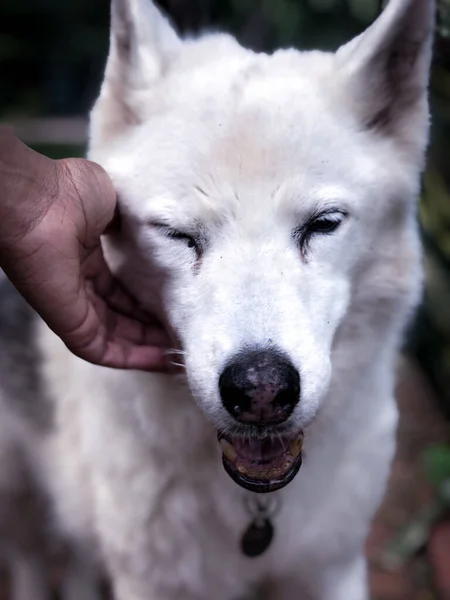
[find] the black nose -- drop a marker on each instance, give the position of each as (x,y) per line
(260,386)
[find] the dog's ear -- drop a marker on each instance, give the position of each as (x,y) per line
(142,46)
(385,70)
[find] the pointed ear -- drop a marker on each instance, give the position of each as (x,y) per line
(142,46)
(386,69)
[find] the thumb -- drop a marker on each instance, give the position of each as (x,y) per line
(91,187)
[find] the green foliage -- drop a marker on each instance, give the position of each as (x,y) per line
(58,151)
(286,16)
(436,463)
(444,18)
(414,536)
(52,51)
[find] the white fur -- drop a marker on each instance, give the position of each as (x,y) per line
(243,147)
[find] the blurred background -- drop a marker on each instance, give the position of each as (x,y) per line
(52,54)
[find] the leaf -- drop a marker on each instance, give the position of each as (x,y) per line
(413,537)
(436,462)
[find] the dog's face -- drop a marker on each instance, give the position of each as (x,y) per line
(254,190)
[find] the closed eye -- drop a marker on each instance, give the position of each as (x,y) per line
(325,223)
(184,237)
(189,239)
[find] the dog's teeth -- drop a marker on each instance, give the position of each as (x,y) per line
(228,450)
(295,447)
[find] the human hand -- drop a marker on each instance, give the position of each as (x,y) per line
(52,214)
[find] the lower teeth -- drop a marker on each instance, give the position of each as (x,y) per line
(295,448)
(273,473)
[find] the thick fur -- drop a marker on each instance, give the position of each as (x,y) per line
(239,150)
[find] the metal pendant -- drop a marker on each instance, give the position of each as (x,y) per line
(257,538)
(259,534)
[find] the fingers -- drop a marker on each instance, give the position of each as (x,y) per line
(113,339)
(130,345)
(117,332)
(117,297)
(122,327)
(107,287)
(120,354)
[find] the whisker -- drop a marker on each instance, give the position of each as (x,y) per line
(176,364)
(283,441)
(175,351)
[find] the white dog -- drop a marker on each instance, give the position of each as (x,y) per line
(268,217)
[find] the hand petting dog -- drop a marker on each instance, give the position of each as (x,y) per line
(52,215)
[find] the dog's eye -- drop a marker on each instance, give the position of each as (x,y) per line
(322,224)
(177,235)
(189,240)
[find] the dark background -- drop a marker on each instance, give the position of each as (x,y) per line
(52,52)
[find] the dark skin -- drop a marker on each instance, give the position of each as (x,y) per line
(52,215)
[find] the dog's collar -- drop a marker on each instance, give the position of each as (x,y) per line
(259,534)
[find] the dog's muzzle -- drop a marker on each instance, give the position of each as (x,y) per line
(260,388)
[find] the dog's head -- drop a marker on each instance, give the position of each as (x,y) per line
(259,196)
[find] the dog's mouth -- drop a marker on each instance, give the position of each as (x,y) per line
(261,464)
